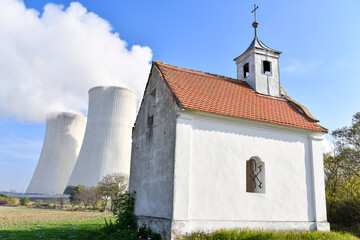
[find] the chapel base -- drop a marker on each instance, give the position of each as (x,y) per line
(178,228)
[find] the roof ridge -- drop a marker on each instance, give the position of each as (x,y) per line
(217,76)
(199,72)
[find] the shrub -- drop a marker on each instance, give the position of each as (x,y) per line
(3,201)
(125,226)
(78,209)
(38,203)
(46,205)
(344,212)
(7,200)
(12,200)
(24,201)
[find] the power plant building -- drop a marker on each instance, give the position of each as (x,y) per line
(106,148)
(63,138)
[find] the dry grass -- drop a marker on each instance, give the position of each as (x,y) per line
(11,217)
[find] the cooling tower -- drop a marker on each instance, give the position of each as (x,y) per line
(63,138)
(106,147)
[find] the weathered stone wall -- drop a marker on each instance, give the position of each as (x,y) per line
(152,164)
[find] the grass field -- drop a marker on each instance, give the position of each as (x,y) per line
(28,223)
(21,223)
(267,235)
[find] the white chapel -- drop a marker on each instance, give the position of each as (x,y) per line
(212,152)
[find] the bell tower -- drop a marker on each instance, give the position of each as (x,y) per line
(259,65)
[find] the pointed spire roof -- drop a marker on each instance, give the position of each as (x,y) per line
(259,44)
(256,43)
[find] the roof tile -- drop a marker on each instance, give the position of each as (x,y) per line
(230,97)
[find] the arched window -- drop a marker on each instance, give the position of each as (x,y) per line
(255,175)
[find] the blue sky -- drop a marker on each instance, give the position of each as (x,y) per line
(318,67)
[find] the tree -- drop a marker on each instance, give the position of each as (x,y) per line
(343,166)
(94,196)
(84,196)
(61,200)
(342,175)
(111,187)
(75,192)
(68,190)
(24,201)
(89,196)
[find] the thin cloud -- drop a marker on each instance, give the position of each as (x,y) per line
(300,67)
(49,61)
(14,148)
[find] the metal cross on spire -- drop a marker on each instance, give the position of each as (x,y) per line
(255,23)
(254,11)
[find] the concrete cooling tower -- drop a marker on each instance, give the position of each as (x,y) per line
(63,138)
(106,147)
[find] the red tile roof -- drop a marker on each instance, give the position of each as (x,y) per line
(230,97)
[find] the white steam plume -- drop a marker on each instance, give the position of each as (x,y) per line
(49,61)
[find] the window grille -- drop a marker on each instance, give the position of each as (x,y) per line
(254,178)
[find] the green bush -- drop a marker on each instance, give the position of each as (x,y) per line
(24,201)
(125,226)
(344,212)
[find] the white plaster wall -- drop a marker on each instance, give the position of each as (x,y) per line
(267,84)
(215,161)
(247,58)
(316,144)
(260,82)
(107,142)
(63,138)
